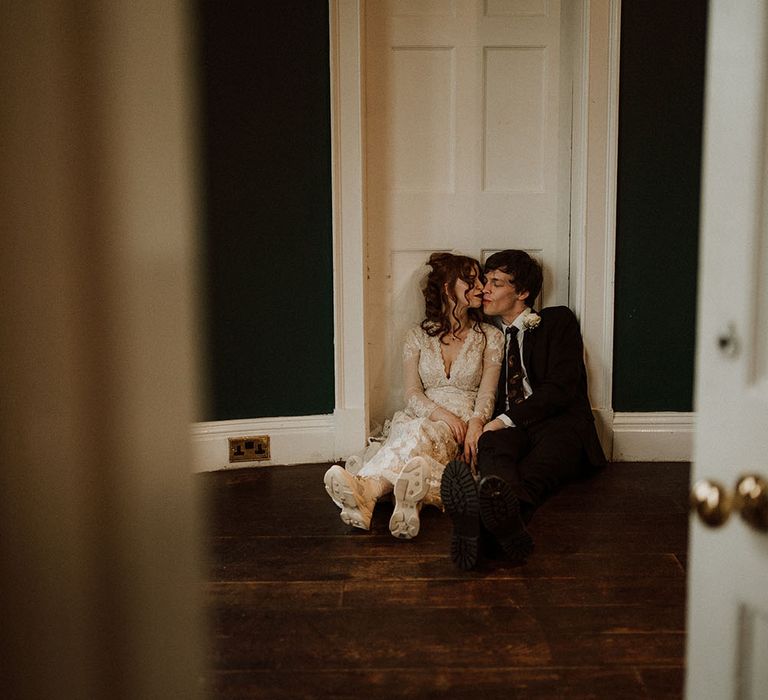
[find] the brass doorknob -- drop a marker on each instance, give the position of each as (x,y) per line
(711,501)
(751,500)
(714,504)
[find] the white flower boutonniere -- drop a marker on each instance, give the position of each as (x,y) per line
(531,321)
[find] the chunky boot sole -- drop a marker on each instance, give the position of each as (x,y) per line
(342,489)
(500,513)
(410,488)
(459,494)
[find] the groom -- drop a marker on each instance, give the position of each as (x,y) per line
(543,433)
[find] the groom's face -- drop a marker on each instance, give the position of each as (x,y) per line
(500,296)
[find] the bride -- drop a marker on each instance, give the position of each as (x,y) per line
(451,366)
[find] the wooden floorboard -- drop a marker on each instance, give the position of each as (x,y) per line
(301,606)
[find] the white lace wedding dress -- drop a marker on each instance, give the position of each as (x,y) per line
(468,390)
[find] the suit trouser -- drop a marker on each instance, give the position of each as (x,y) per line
(535,462)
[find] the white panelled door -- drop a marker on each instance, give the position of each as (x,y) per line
(728,576)
(467,130)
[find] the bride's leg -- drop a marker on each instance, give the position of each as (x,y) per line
(410,488)
(432,497)
(355,495)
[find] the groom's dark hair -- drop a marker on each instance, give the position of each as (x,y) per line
(522,268)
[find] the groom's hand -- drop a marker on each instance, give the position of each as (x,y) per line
(495,424)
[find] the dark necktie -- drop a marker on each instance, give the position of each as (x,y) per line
(514,368)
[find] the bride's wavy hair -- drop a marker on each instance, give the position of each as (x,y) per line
(446,269)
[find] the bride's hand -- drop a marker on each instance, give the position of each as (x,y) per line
(458,427)
(474,431)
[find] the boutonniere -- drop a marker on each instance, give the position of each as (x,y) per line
(531,321)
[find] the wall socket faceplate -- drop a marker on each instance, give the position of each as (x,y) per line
(252,448)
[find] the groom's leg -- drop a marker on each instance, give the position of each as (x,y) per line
(553,459)
(499,453)
(503,500)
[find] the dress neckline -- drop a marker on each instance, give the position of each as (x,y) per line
(462,351)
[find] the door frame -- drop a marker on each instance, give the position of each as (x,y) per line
(593,207)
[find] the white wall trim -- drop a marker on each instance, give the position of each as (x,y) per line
(594,292)
(611,185)
(293,440)
(579,158)
(348,187)
(611,172)
(653,437)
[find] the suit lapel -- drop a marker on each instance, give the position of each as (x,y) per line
(529,342)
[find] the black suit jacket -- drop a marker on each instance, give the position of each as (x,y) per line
(553,355)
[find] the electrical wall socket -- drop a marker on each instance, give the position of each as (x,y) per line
(249,449)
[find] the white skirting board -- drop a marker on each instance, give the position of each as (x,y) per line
(653,437)
(637,437)
(293,440)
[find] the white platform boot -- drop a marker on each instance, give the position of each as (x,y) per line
(410,488)
(354,495)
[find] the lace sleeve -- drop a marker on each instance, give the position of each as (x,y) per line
(492,358)
(416,401)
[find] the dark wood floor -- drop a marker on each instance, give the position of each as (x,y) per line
(301,606)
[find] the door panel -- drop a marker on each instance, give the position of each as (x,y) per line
(728,604)
(465,120)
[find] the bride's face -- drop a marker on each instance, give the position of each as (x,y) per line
(469,295)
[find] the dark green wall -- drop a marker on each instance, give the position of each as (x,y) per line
(660,118)
(266,188)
